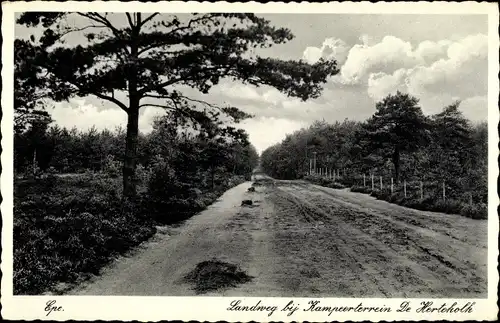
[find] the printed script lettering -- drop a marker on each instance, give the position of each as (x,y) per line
(425,307)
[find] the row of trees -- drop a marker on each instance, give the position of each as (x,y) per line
(398,141)
(54,149)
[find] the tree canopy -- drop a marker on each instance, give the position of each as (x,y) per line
(397,126)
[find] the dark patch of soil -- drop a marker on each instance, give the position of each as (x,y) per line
(246,202)
(215,274)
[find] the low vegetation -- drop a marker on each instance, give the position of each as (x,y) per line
(428,203)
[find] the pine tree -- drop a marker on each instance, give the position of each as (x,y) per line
(148,55)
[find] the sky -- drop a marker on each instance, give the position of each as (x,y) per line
(437,58)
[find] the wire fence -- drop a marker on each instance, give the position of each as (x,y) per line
(408,188)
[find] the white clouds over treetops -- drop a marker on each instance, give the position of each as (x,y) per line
(437,72)
(434,71)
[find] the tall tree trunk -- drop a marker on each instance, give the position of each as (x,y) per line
(212,173)
(130,161)
(396,162)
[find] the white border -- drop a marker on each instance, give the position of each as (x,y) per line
(214,308)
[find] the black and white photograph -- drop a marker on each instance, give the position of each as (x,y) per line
(262,164)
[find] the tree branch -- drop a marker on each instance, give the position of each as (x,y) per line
(111,99)
(129,18)
(199,101)
(94,16)
(163,84)
(80,29)
(180,79)
(181,97)
(190,22)
(149,18)
(156,106)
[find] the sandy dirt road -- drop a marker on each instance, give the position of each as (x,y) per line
(305,240)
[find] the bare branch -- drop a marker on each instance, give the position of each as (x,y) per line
(180,28)
(164,84)
(80,29)
(156,106)
(181,97)
(199,101)
(130,22)
(94,16)
(111,99)
(149,18)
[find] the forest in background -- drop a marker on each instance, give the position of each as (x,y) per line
(397,143)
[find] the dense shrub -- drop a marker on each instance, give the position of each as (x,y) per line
(66,227)
(475,211)
(172,199)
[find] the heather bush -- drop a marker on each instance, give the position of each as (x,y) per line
(475,211)
(70,227)
(428,203)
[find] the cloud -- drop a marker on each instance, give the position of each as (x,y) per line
(459,71)
(332,48)
(386,56)
(266,131)
(475,108)
(431,51)
(82,114)
(463,71)
(380,84)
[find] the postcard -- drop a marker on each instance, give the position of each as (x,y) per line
(249,161)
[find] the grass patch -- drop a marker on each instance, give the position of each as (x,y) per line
(477,211)
(322,181)
(214,274)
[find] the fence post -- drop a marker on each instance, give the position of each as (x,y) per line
(392,186)
(373,186)
(380,182)
(364,180)
(421,190)
(404,187)
(444,192)
(34,164)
